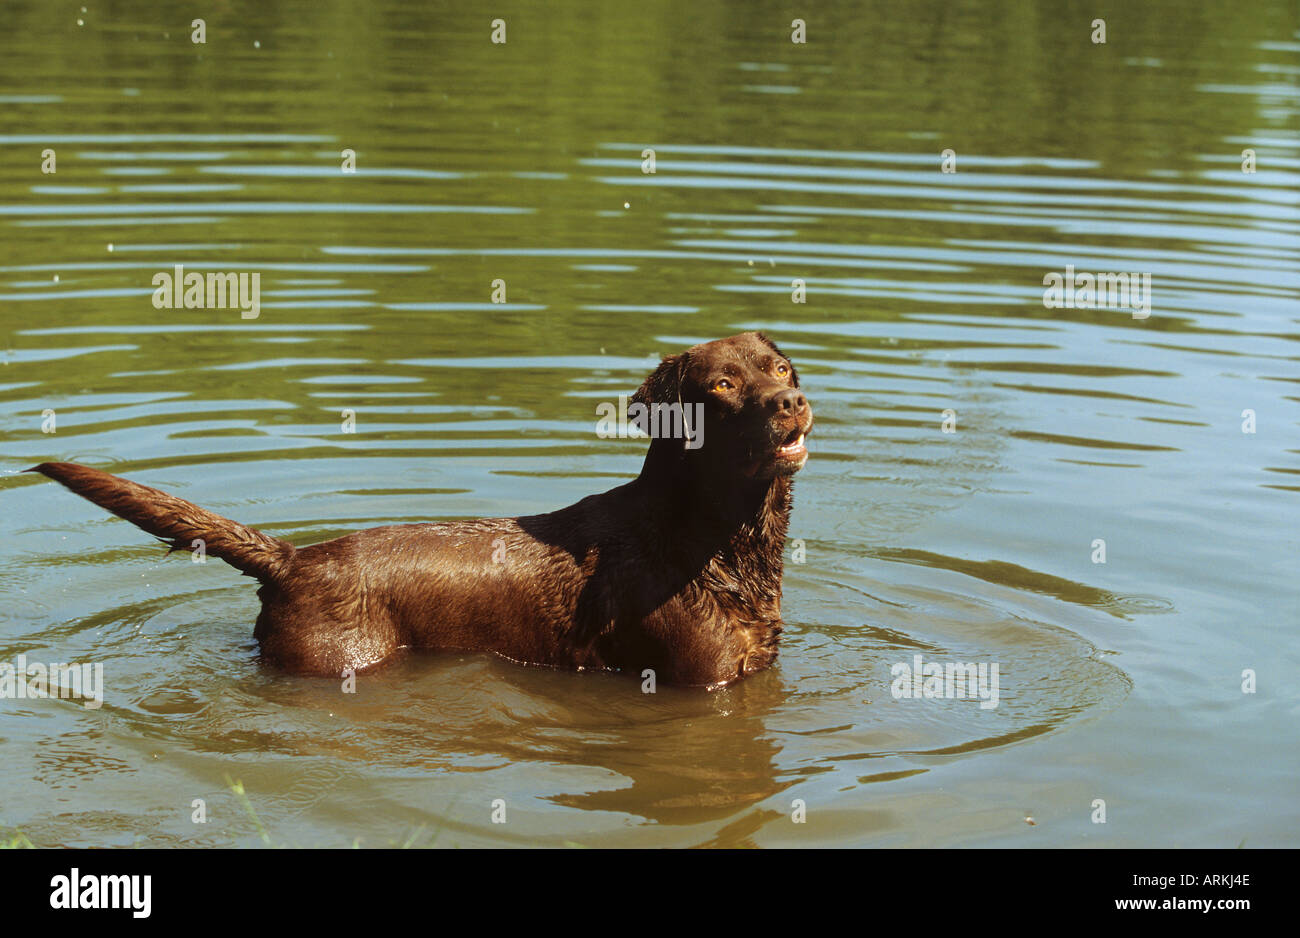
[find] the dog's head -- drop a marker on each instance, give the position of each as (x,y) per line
(734,403)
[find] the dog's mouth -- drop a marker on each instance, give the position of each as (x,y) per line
(785,458)
(793,446)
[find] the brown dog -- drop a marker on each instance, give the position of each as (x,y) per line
(678,571)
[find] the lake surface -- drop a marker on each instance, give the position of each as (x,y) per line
(775,161)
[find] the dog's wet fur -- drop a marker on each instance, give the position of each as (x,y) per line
(678,571)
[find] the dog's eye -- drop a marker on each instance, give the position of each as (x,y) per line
(722,384)
(782,369)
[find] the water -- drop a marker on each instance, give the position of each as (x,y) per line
(522,162)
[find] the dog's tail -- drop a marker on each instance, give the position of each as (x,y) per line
(177,522)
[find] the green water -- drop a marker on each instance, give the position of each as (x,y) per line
(774,161)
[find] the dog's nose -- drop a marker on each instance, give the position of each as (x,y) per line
(790,402)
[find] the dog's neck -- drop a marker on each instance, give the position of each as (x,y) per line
(735,528)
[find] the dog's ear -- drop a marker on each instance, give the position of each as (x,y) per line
(794,375)
(663,386)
